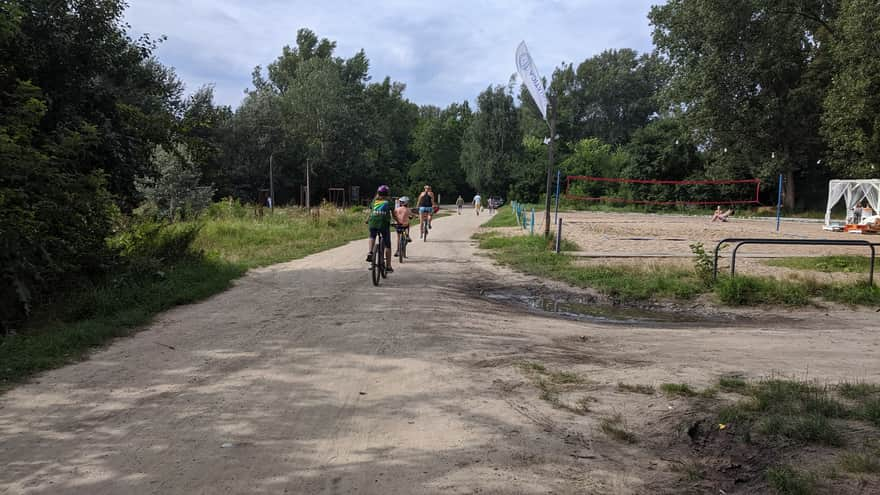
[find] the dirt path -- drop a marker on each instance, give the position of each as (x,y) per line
(304,378)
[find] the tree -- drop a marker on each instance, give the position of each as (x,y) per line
(204,129)
(663,150)
(437,142)
(175,190)
(528,175)
(492,142)
(391,121)
(851,122)
(609,96)
(750,77)
(94,76)
(81,105)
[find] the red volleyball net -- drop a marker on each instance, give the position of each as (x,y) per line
(663,192)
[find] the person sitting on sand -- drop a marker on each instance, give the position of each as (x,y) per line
(721,215)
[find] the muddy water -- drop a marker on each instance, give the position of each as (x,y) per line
(586,309)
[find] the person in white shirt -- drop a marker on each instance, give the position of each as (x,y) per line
(477,203)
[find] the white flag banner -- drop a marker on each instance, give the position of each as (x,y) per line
(525,66)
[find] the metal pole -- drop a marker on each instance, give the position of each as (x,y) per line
(308,185)
(271,183)
(550,165)
(558,178)
(779,204)
(533,222)
(558,236)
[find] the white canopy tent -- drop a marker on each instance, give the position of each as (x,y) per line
(853,192)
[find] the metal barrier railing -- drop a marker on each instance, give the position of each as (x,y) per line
(803,242)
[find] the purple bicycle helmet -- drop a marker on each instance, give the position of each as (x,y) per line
(383,189)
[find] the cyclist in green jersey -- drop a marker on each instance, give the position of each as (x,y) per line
(380,221)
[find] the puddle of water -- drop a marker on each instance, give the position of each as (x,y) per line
(580,309)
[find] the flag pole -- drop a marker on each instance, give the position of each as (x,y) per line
(552,105)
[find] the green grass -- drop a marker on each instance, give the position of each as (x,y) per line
(615,428)
(861,462)
(636,389)
(226,248)
(752,291)
(785,480)
(827,264)
(287,234)
(801,411)
(732,384)
(553,383)
(858,390)
(533,255)
(679,389)
(111,311)
(504,217)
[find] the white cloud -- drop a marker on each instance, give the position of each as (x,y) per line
(443,51)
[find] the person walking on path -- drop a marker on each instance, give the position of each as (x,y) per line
(459,203)
(477,203)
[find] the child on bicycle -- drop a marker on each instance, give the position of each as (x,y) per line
(402,215)
(380,222)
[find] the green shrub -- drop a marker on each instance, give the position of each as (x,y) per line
(788,481)
(751,291)
(226,208)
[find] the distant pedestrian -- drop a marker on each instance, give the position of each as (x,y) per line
(459,203)
(478,200)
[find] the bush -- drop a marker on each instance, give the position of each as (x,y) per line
(227,208)
(151,242)
(52,231)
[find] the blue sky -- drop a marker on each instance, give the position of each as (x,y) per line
(443,51)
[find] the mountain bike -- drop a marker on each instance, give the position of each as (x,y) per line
(402,236)
(377,265)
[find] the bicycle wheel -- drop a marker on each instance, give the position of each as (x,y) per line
(425,230)
(375,271)
(382,257)
(401,247)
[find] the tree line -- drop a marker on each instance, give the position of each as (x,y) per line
(94,129)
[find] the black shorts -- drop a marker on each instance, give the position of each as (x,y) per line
(386,235)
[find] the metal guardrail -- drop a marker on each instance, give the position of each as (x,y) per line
(803,242)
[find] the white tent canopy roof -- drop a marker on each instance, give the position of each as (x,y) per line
(853,191)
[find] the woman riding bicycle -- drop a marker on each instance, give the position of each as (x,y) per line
(380,222)
(426,203)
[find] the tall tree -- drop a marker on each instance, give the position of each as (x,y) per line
(609,95)
(851,122)
(437,142)
(492,142)
(81,105)
(205,130)
(390,123)
(749,75)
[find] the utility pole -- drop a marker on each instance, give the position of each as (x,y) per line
(271,182)
(552,99)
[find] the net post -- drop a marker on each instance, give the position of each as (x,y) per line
(558,180)
(533,222)
(779,204)
(558,235)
